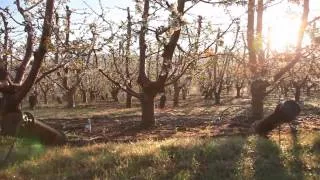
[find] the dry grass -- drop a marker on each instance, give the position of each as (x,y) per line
(82,112)
(184,158)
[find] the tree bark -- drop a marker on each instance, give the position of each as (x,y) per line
(258,93)
(114,94)
(128,100)
(11,115)
(33,101)
(208,94)
(147,105)
(176,92)
(297,93)
(163,100)
(92,96)
(217,98)
(184,93)
(238,88)
(45,97)
(84,96)
(70,97)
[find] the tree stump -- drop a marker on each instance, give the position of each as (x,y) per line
(284,113)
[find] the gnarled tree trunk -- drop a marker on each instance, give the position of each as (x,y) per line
(84,96)
(147,105)
(163,100)
(217,98)
(258,93)
(70,97)
(11,115)
(114,94)
(238,88)
(45,97)
(176,92)
(297,93)
(184,93)
(128,100)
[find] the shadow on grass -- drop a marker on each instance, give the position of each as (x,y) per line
(195,159)
(268,164)
(212,160)
(23,150)
(296,164)
(183,158)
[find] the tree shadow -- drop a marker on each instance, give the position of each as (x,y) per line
(268,164)
(296,164)
(212,160)
(23,149)
(208,159)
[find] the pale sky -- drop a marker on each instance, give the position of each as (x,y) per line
(283,19)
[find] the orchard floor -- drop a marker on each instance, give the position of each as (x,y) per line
(197,140)
(194,117)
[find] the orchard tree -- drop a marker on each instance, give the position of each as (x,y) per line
(14,86)
(150,88)
(259,81)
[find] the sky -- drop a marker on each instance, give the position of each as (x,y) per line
(283,20)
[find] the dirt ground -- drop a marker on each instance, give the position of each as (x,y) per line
(195,117)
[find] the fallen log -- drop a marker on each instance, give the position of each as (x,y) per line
(35,129)
(284,113)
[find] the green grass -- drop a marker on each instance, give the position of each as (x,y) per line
(183,158)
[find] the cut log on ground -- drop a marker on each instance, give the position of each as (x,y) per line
(32,128)
(284,113)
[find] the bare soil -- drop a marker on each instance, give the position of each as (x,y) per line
(196,118)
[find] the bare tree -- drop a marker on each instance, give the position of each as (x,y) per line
(14,90)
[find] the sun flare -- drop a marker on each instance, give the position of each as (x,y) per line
(283,34)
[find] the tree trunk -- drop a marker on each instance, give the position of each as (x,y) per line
(59,99)
(33,101)
(258,93)
(84,96)
(228,88)
(45,97)
(217,98)
(184,93)
(163,100)
(238,88)
(128,101)
(70,97)
(147,105)
(208,94)
(114,95)
(92,96)
(11,115)
(176,92)
(297,93)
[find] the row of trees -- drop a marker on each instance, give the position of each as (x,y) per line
(145,55)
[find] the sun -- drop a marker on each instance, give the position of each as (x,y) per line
(282,34)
